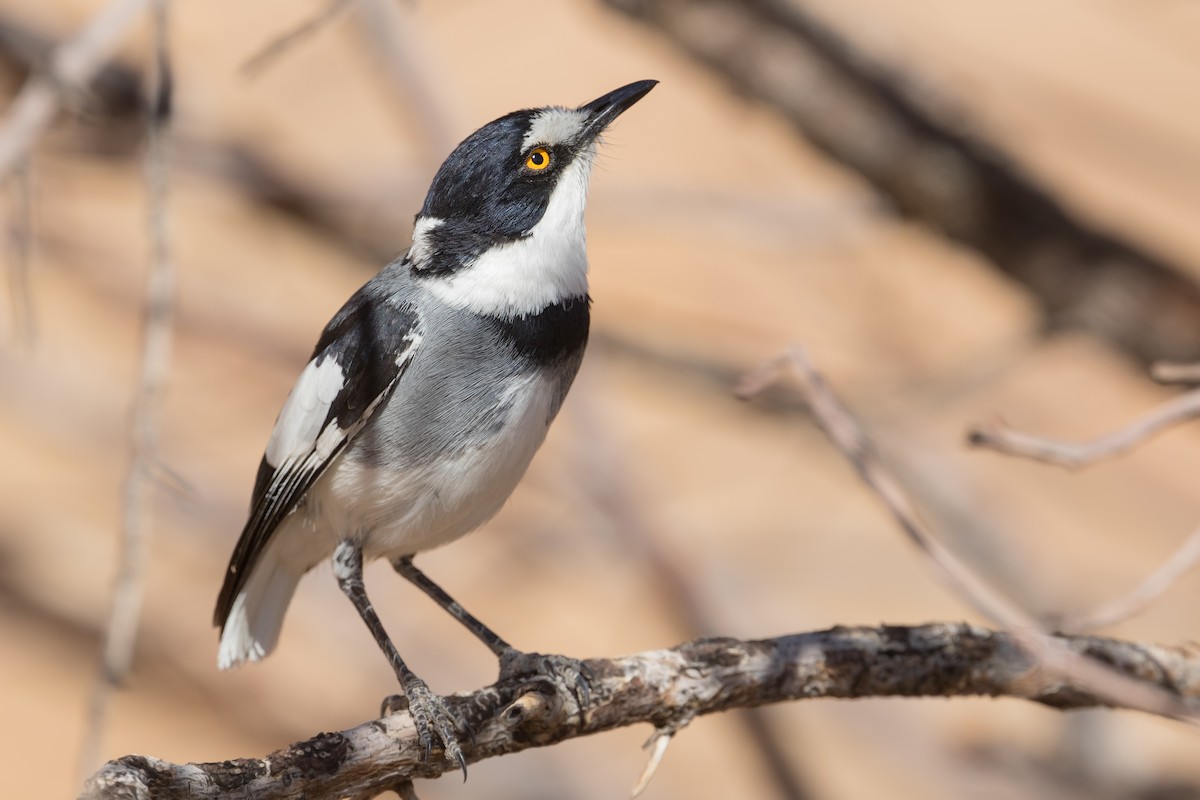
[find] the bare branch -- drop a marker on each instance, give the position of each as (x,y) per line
(660,687)
(71,66)
(256,64)
(121,633)
(1003,439)
(846,434)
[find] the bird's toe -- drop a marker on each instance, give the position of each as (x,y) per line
(566,674)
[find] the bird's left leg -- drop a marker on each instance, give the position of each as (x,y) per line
(429,712)
(513,662)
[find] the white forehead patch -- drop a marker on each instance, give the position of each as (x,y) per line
(421,252)
(545,267)
(554,126)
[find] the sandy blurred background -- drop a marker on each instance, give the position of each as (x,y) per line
(717,238)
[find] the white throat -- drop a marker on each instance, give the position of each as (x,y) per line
(540,269)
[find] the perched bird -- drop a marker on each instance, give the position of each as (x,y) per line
(431,389)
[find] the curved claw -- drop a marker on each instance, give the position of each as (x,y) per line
(564,667)
(431,715)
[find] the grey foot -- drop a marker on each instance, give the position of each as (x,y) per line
(431,717)
(566,673)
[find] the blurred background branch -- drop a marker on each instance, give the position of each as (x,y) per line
(910,144)
(129,583)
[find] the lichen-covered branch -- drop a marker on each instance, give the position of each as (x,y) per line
(665,688)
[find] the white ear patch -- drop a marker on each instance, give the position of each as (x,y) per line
(421,252)
(542,268)
(554,126)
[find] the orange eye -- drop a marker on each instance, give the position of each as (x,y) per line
(539,159)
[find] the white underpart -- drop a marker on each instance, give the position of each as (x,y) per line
(544,267)
(401,512)
(556,126)
(421,252)
(299,423)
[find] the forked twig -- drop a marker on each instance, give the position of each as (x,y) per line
(1180,409)
(1049,654)
(70,67)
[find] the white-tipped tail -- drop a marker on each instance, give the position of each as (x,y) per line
(252,628)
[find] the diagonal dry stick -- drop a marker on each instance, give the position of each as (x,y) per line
(1048,652)
(257,63)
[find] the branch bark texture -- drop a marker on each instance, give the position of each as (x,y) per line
(665,688)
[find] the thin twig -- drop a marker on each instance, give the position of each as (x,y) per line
(1175,567)
(1072,455)
(257,64)
(1049,655)
(1175,372)
(694,679)
(70,68)
(121,632)
(24,323)
(658,748)
(412,71)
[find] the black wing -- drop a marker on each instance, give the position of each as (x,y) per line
(360,357)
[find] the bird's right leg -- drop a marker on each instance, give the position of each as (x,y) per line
(429,711)
(569,672)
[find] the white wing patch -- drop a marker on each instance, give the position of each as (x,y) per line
(299,424)
(545,267)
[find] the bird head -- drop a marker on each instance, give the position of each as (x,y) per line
(501,231)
